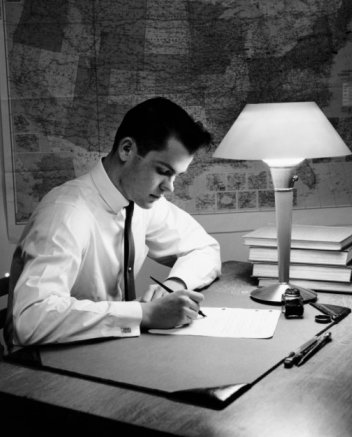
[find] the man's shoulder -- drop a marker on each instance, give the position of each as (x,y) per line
(76,192)
(64,206)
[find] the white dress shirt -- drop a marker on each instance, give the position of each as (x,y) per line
(71,287)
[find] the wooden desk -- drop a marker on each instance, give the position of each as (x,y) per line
(312,400)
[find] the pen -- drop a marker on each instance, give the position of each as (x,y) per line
(293,357)
(318,345)
(165,287)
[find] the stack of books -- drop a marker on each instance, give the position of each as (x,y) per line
(320,257)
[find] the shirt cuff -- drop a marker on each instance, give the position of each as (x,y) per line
(127,319)
(194,280)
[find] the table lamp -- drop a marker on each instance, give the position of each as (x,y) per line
(282,135)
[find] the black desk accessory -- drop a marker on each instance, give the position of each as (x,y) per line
(336,312)
(323,318)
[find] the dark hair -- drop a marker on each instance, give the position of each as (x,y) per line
(152,122)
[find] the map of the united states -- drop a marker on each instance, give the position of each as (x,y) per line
(75,67)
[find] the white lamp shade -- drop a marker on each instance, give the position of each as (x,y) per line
(267,131)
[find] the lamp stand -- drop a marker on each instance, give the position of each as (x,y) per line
(283,181)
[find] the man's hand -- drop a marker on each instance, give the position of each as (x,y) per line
(172,309)
(154,291)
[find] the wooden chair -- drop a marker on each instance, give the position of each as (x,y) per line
(4,290)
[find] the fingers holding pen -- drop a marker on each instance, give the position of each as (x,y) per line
(173,309)
(153,292)
(191,305)
(185,302)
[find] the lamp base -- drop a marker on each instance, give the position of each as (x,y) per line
(273,293)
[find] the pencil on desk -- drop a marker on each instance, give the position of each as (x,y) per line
(165,287)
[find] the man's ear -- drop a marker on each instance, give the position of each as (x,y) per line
(127,147)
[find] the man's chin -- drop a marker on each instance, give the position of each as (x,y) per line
(147,204)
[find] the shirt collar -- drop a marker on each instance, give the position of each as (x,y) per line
(107,189)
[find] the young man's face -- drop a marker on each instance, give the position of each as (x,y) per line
(147,178)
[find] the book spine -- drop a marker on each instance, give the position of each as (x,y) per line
(333,286)
(304,271)
(300,256)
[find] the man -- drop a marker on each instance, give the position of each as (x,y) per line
(67,271)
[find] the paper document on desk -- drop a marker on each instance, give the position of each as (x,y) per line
(229,322)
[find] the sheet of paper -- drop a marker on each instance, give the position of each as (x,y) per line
(230,322)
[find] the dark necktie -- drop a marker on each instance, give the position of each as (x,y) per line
(130,293)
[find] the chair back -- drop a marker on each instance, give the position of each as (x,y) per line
(4,290)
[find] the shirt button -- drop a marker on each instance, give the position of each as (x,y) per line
(129,269)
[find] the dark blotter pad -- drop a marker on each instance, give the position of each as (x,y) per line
(203,370)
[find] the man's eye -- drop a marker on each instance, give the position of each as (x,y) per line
(163,172)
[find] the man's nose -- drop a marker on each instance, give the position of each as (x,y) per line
(168,184)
